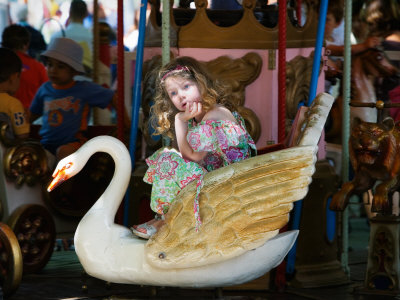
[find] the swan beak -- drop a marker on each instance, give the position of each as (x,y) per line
(58,178)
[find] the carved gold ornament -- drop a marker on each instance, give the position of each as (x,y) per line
(25,163)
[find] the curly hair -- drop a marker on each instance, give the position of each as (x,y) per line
(212,91)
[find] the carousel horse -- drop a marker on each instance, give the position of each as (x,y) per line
(242,207)
(365,68)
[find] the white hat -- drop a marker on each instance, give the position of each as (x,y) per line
(67,51)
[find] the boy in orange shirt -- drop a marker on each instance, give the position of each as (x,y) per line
(33,73)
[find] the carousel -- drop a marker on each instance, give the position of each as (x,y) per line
(283,210)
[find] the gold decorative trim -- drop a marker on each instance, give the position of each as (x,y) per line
(382,257)
(35,230)
(11,263)
(298,75)
(248,33)
(25,163)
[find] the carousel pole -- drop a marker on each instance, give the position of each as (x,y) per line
(96,43)
(312,93)
(346,129)
(165,27)
(137,96)
(120,87)
(165,43)
(323,8)
(282,11)
(120,71)
(282,71)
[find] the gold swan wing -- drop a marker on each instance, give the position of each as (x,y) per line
(242,205)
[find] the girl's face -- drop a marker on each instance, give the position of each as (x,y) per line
(58,72)
(182,91)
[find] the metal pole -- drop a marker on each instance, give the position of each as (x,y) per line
(96,43)
(165,26)
(346,129)
(120,71)
(282,71)
(323,8)
(166,48)
(312,93)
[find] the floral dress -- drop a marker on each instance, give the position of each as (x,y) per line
(225,141)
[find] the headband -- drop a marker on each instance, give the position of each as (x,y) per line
(177,69)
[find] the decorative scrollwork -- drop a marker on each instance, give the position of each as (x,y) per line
(238,73)
(25,163)
(382,269)
(35,231)
(298,74)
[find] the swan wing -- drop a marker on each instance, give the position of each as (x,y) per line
(242,205)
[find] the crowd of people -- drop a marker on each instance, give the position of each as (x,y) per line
(46,84)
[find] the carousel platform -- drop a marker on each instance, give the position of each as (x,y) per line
(64,278)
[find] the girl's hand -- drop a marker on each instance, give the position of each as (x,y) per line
(192,110)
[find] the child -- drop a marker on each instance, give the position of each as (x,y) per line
(10,71)
(33,73)
(209,135)
(335,49)
(19,15)
(383,19)
(76,31)
(64,103)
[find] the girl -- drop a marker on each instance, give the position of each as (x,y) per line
(209,135)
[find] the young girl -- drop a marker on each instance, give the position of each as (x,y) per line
(209,135)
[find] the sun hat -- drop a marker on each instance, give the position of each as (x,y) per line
(67,51)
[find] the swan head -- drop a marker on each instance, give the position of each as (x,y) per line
(66,168)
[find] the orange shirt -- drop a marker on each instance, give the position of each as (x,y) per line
(33,75)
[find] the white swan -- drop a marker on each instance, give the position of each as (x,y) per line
(112,253)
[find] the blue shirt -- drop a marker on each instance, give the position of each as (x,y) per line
(66,112)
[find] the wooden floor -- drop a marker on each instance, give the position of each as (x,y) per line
(63,278)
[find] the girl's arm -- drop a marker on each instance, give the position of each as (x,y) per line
(181,130)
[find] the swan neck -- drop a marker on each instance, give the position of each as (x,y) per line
(115,191)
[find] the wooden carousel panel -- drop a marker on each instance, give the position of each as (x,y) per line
(251,27)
